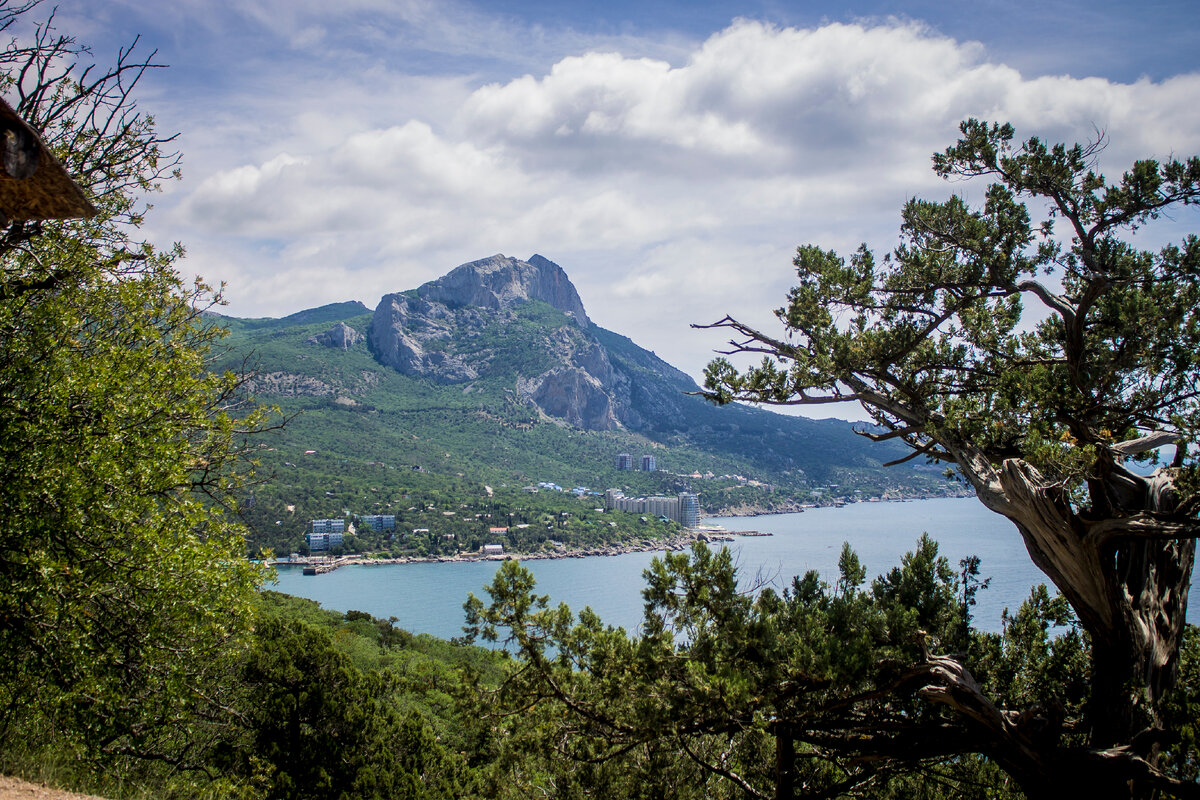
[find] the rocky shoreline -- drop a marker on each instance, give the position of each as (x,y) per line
(670,544)
(673,544)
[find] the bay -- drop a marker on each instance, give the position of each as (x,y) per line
(428,597)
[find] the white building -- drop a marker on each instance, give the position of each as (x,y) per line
(689,510)
(684,508)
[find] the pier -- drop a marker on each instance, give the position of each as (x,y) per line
(318,567)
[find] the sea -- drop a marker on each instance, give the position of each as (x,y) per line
(428,597)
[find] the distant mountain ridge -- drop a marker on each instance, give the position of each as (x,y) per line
(331,312)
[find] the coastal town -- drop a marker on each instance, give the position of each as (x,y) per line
(676,517)
(326,537)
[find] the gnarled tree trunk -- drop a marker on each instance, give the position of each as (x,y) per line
(1126,573)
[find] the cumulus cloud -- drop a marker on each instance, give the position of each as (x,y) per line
(672,191)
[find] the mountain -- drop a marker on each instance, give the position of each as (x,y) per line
(461,327)
(466,327)
(495,374)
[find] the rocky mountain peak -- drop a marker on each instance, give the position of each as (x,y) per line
(501,282)
(469,326)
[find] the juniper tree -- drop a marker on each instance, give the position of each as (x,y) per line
(1029,344)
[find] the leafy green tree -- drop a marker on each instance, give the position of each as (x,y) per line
(1181,710)
(1040,410)
(123,581)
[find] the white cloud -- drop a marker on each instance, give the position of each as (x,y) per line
(672,191)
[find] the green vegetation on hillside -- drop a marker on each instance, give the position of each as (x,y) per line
(364,439)
(315,704)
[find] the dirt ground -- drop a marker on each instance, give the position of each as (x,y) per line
(17,789)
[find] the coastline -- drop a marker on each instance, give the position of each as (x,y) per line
(675,543)
(671,544)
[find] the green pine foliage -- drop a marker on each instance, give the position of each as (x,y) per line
(819,690)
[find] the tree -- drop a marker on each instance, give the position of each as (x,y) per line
(1039,411)
(319,727)
(123,577)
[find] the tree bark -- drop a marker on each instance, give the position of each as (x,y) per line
(785,762)
(1028,746)
(1129,589)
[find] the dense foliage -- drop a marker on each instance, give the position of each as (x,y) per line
(821,690)
(323,704)
(316,705)
(122,578)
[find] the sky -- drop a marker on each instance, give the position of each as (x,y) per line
(670,156)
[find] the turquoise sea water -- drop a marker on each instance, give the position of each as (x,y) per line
(428,598)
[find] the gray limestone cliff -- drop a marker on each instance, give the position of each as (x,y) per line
(501,282)
(574,396)
(481,322)
(409,333)
(341,336)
